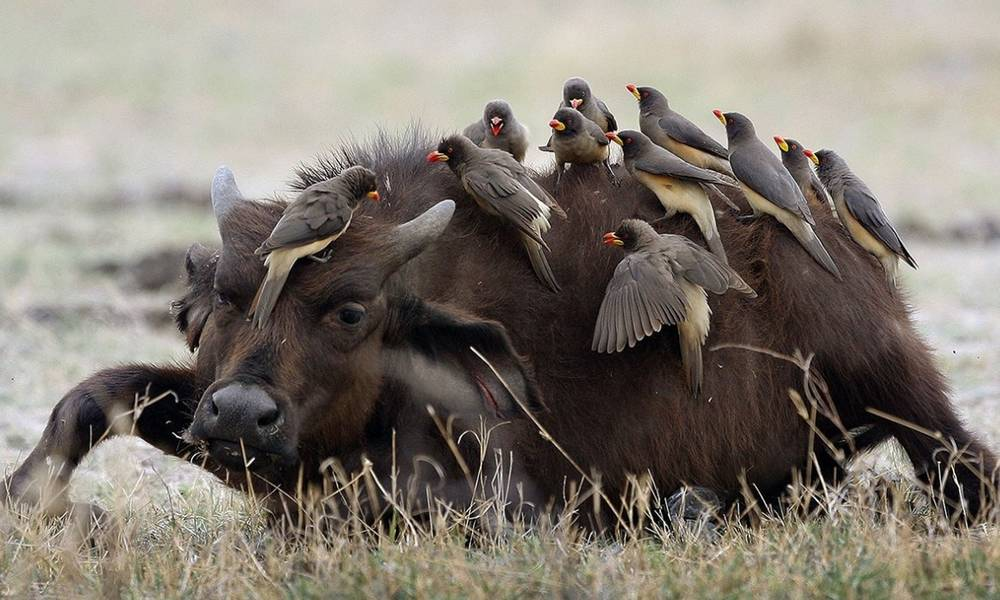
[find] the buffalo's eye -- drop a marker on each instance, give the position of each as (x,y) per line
(351,313)
(222,300)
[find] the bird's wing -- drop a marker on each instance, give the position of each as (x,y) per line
(701,267)
(612,123)
(594,130)
(475,132)
(763,173)
(308,221)
(640,299)
(689,134)
(866,209)
(657,161)
(819,189)
(500,189)
(524,178)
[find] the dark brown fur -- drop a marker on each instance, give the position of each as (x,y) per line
(619,414)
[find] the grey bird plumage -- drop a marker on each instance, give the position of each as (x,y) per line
(860,212)
(662,280)
(797,163)
(679,185)
(499,129)
(671,130)
(769,187)
(577,94)
(579,141)
(309,224)
(502,187)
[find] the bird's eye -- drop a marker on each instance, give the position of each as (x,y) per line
(645,94)
(450,150)
(351,313)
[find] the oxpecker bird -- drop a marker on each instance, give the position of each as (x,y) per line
(861,213)
(500,130)
(319,215)
(679,185)
(671,130)
(662,280)
(502,187)
(578,140)
(769,187)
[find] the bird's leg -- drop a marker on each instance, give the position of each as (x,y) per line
(755,214)
(611,173)
(321,257)
(559,172)
(655,222)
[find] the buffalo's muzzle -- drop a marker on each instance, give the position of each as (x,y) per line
(242,425)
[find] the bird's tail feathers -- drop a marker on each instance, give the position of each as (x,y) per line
(539,263)
(806,236)
(278,268)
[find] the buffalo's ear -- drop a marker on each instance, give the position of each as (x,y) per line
(432,345)
(192,310)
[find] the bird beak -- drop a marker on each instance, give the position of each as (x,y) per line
(496,124)
(436,156)
(812,156)
(557,124)
(612,136)
(718,115)
(780,141)
(575,103)
(610,239)
(373,195)
(635,92)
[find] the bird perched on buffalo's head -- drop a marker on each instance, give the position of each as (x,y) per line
(795,160)
(679,185)
(499,129)
(673,131)
(861,213)
(769,187)
(502,187)
(662,280)
(318,216)
(578,140)
(577,94)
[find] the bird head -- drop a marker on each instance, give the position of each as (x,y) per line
(576,92)
(566,121)
(811,156)
(782,144)
(648,98)
(497,114)
(454,150)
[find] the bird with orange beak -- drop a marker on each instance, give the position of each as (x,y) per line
(671,130)
(577,140)
(678,185)
(317,217)
(860,212)
(577,94)
(500,130)
(662,280)
(769,187)
(503,188)
(798,166)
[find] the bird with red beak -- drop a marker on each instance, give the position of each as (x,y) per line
(769,187)
(662,280)
(500,130)
(672,131)
(579,141)
(577,95)
(503,188)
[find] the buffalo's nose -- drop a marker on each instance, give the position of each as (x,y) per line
(241,411)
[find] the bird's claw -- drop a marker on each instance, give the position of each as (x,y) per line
(320,257)
(743,218)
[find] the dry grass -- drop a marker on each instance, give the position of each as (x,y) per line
(871,536)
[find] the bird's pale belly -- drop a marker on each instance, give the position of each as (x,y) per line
(675,195)
(861,235)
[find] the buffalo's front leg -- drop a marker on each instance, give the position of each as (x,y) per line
(154,403)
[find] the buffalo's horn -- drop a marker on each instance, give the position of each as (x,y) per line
(413,236)
(224,192)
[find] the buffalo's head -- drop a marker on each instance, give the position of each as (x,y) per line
(348,341)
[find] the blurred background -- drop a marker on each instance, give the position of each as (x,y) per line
(114,115)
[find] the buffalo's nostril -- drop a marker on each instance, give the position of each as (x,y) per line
(268,417)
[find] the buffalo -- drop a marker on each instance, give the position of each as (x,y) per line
(428,322)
